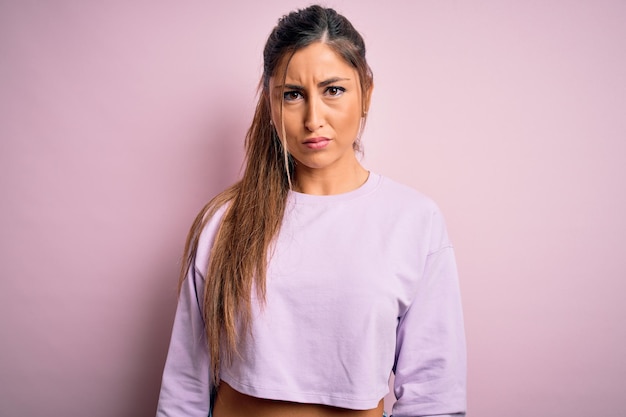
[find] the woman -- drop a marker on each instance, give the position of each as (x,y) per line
(311,279)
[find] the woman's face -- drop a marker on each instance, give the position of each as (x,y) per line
(322,108)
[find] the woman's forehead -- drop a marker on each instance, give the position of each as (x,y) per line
(314,63)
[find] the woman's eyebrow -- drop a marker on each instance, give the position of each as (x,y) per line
(320,84)
(290,87)
(331,81)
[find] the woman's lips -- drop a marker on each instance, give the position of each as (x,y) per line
(316,143)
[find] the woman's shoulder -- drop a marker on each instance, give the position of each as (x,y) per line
(402,196)
(413,209)
(210,220)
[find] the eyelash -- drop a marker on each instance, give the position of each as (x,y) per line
(338,91)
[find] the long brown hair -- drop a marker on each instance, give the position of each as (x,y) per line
(255,205)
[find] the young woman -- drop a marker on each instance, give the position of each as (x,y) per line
(310,280)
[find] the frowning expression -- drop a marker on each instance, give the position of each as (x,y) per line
(322,106)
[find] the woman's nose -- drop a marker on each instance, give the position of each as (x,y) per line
(313,118)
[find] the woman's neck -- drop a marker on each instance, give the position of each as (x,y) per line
(329,182)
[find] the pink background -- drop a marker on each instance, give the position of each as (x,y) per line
(119,119)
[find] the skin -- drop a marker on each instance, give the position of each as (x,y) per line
(321,101)
(231,403)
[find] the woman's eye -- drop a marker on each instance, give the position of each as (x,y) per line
(335,91)
(291,95)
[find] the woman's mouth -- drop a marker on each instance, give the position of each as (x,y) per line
(316,143)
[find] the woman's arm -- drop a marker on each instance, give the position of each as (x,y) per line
(430,368)
(186,386)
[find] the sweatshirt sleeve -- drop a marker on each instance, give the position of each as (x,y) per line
(186,386)
(430,364)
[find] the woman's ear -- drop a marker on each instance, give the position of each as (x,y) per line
(268,104)
(367,99)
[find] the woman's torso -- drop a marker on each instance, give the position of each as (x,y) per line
(342,271)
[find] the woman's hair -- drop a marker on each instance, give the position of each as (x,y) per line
(254,206)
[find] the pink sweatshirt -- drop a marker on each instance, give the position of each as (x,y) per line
(358,285)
